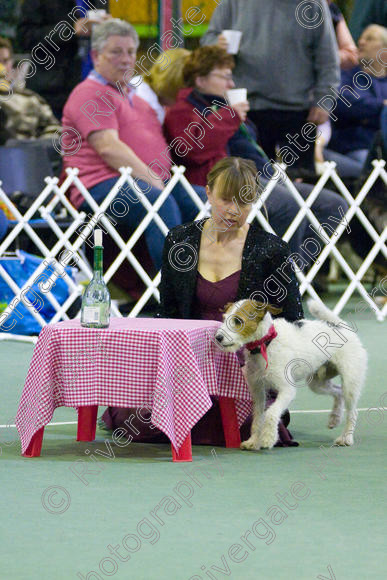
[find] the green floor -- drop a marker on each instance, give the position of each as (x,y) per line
(334,530)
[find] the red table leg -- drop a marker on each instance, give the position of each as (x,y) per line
(35,446)
(229,422)
(87,423)
(185,451)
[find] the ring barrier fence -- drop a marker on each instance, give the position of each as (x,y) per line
(54,195)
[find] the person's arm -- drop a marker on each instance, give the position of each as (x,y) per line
(117,154)
(366,105)
(84,26)
(48,124)
(38,20)
(220,20)
(348,53)
(216,138)
(167,307)
(365,108)
(213,139)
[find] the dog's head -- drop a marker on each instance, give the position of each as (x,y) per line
(241,322)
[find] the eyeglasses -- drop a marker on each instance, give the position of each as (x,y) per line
(224,77)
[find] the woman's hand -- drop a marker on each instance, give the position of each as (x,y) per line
(241,109)
(317,116)
(222,42)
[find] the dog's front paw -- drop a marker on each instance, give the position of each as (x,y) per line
(250,444)
(268,439)
(345,440)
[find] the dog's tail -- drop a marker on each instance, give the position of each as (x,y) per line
(320,311)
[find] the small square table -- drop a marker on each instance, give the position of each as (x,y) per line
(170,366)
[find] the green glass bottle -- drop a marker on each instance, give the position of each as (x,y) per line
(95,311)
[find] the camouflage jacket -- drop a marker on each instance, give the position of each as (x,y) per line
(26,115)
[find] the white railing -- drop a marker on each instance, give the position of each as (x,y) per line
(126,247)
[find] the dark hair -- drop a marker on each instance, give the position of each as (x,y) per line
(203,60)
(236,177)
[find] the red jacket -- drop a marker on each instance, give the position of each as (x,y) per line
(207,144)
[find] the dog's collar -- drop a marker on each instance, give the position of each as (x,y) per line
(259,346)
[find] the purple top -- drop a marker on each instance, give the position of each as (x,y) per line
(211,297)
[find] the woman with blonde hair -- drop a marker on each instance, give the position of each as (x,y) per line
(160,87)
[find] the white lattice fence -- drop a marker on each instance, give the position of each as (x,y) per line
(53,196)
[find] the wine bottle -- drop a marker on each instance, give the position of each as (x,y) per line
(95,311)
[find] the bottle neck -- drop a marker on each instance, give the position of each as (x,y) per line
(98,261)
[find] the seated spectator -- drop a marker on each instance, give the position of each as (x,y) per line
(358,112)
(119,129)
(222,131)
(160,87)
(25,115)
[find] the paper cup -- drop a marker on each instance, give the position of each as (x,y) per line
(96,15)
(235,96)
(233,38)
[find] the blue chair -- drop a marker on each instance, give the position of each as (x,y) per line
(22,172)
(23,169)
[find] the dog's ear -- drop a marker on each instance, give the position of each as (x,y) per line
(253,310)
(273,309)
(227,306)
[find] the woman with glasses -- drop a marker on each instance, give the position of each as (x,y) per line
(201,110)
(207,75)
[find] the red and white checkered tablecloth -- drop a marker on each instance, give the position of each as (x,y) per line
(169,365)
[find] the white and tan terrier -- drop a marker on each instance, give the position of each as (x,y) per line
(279,354)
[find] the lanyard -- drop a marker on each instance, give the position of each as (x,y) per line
(95,76)
(246,133)
(253,142)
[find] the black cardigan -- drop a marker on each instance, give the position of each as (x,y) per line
(262,254)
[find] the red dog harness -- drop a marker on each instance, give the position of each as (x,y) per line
(259,346)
